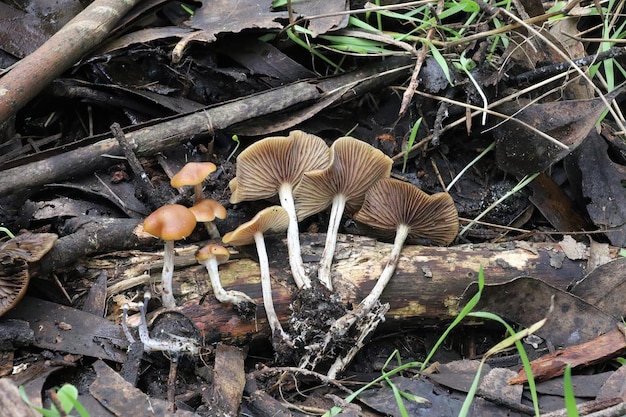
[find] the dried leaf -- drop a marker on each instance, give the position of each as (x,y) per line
(602,186)
(522,151)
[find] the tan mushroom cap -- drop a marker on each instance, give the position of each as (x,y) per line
(219,252)
(354,166)
(206,210)
(170,222)
(270,162)
(14,257)
(272,219)
(390,202)
(192,173)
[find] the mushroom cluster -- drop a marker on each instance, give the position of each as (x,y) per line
(175,222)
(350,177)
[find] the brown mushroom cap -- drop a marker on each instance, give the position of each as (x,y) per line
(220,253)
(206,210)
(354,166)
(270,162)
(170,222)
(273,219)
(14,257)
(192,173)
(390,202)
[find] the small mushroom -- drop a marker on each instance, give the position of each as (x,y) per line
(273,219)
(354,167)
(273,166)
(193,174)
(15,254)
(206,210)
(211,256)
(170,222)
(394,206)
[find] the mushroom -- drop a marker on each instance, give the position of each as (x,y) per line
(354,167)
(15,254)
(193,173)
(273,166)
(170,222)
(273,219)
(394,206)
(211,256)
(206,210)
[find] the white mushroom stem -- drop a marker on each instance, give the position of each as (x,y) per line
(174,344)
(285,195)
(127,332)
(211,229)
(266,287)
(167,292)
(368,302)
(326,262)
(233,297)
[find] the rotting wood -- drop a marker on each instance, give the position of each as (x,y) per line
(425,288)
(155,138)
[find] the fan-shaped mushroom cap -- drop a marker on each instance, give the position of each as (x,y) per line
(273,219)
(170,222)
(390,202)
(220,253)
(270,162)
(14,257)
(192,173)
(206,210)
(354,166)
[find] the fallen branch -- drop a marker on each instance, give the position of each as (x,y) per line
(152,139)
(66,47)
(425,288)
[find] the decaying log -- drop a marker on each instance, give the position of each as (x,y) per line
(425,288)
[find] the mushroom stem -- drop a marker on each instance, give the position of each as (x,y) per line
(167,292)
(211,229)
(368,302)
(266,287)
(293,238)
(336,211)
(197,193)
(177,344)
(237,298)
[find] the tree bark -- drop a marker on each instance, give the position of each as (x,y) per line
(425,288)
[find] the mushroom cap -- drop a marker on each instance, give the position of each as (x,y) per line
(14,280)
(354,166)
(390,202)
(192,173)
(213,250)
(272,219)
(267,164)
(14,257)
(206,210)
(170,222)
